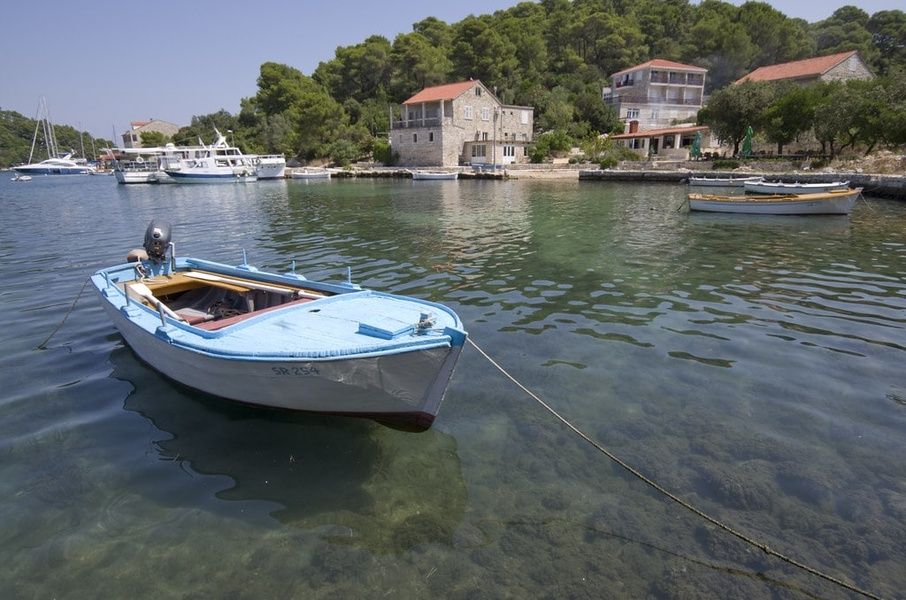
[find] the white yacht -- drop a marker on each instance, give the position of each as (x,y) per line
(55,164)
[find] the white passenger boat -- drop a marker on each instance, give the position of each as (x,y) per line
(217,163)
(270,166)
(825,203)
(281,340)
(434,175)
(721,181)
(765,187)
(309,173)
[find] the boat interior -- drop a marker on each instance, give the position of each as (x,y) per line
(211,302)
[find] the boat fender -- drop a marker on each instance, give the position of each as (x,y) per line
(136,255)
(139,160)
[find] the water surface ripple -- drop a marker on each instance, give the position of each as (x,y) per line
(753,365)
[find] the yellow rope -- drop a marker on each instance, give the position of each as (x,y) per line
(43,345)
(762,546)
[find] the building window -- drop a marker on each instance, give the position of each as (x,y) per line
(478,90)
(485,114)
(509,151)
(632,113)
(479,151)
(430,136)
(506,135)
(484,136)
(524,137)
(524,117)
(467,112)
(414,138)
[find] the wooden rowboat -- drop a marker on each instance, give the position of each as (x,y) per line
(765,187)
(721,181)
(826,203)
(281,340)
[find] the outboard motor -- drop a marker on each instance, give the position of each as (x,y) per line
(157,240)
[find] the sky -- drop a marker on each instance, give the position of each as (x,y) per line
(102,65)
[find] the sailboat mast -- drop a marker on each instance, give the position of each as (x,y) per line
(34,138)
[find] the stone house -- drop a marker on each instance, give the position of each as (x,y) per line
(668,143)
(460,124)
(133,137)
(657,93)
(833,67)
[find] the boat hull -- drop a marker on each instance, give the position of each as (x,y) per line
(721,182)
(426,176)
(794,188)
(405,389)
(189,177)
(830,204)
(37,170)
(267,169)
(310,175)
(125,177)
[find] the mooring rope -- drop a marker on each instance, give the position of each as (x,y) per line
(632,470)
(43,345)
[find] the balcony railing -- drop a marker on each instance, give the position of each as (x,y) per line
(677,79)
(426,122)
(639,99)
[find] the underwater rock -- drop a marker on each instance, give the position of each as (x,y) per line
(743,486)
(805,483)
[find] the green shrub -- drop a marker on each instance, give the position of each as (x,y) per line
(818,163)
(382,153)
(609,162)
(725,163)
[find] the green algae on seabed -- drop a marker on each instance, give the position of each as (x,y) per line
(595,296)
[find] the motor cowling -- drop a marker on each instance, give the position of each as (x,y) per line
(157,240)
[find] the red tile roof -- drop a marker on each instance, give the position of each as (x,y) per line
(660,63)
(448,91)
(659,132)
(798,69)
(136,124)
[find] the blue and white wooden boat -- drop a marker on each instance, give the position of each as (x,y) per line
(767,187)
(722,181)
(838,202)
(281,340)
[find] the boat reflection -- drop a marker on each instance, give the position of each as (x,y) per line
(358,482)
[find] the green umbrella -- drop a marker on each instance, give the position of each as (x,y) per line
(747,143)
(696,149)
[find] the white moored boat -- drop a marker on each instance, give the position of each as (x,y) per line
(765,187)
(825,203)
(270,166)
(281,340)
(309,173)
(721,181)
(56,163)
(434,175)
(217,163)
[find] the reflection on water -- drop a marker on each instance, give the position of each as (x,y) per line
(753,365)
(349,474)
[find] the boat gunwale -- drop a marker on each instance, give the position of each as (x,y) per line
(181,334)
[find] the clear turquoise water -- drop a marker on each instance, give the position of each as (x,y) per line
(752,365)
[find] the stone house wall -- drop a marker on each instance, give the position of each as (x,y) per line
(468,121)
(851,68)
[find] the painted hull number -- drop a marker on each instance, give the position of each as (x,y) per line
(295,371)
